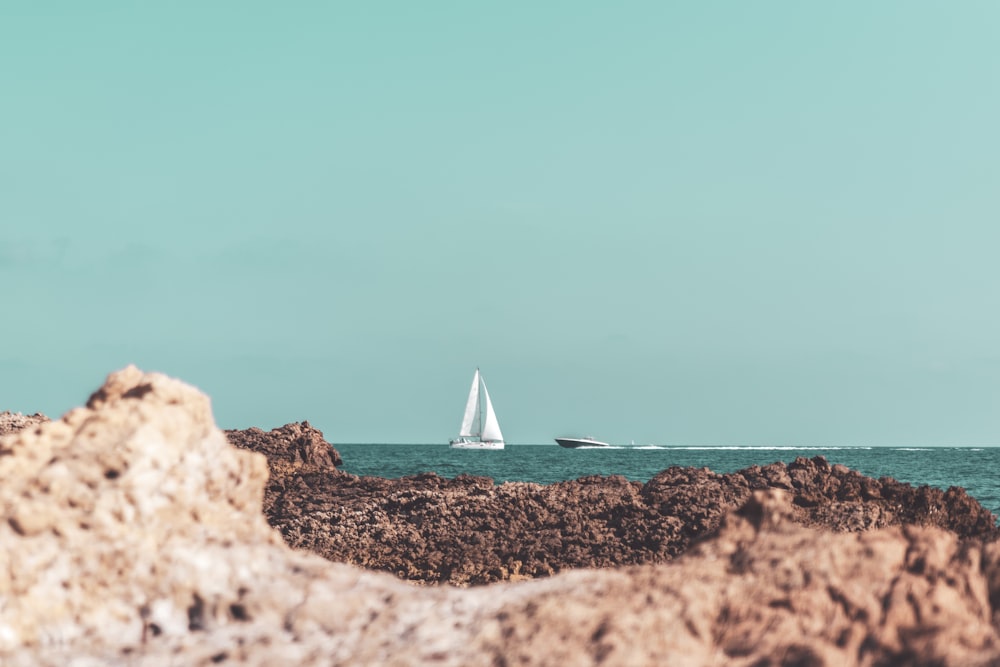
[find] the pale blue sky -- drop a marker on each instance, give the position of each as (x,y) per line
(679,223)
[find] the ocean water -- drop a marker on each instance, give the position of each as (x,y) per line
(976,469)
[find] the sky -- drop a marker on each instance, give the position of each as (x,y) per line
(697,223)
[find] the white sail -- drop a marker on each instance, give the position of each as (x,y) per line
(491,428)
(471,420)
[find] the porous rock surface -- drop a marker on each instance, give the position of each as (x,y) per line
(11,422)
(290,447)
(133,534)
(468,530)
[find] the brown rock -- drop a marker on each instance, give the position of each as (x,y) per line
(296,444)
(470,531)
(149,548)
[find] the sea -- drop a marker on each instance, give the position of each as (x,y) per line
(973,468)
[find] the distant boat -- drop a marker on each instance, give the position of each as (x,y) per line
(576,443)
(480,429)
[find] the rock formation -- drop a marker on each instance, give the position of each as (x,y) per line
(11,422)
(468,530)
(290,447)
(133,534)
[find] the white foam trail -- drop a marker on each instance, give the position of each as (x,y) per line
(759,448)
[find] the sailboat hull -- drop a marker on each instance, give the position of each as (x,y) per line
(473,444)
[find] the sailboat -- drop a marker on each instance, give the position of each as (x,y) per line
(480,429)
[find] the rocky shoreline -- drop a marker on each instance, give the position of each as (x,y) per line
(468,530)
(135,533)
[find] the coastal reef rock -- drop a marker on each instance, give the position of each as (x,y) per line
(291,447)
(11,422)
(468,530)
(133,535)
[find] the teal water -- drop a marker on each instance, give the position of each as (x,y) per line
(973,468)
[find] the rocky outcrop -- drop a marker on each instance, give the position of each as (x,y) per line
(302,464)
(468,530)
(107,511)
(132,534)
(11,422)
(296,445)
(823,495)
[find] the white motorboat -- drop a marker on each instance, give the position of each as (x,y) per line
(577,443)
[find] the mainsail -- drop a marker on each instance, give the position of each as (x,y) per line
(471,420)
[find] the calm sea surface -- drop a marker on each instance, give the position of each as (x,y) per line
(975,469)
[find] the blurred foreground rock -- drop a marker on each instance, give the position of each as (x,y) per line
(133,535)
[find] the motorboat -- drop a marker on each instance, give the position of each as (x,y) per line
(577,443)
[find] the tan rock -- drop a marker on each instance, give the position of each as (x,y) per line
(132,534)
(11,422)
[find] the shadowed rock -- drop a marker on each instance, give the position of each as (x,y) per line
(296,444)
(468,530)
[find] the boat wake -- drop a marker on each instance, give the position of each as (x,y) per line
(782,448)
